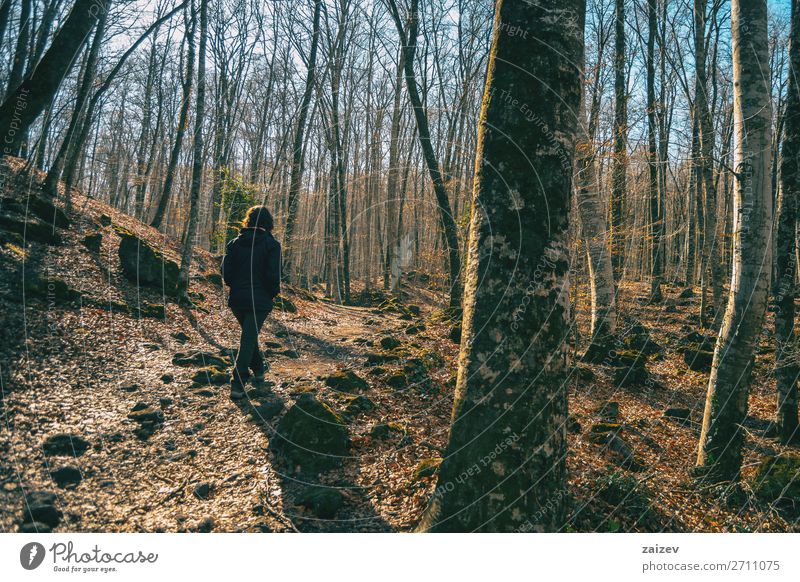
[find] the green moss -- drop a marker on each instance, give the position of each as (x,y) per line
(346,381)
(427,468)
(777,479)
(210,375)
(311,437)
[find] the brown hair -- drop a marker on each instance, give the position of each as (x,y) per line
(258,217)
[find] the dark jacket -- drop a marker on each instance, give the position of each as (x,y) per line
(252,270)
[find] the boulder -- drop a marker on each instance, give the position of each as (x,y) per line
(202,490)
(31,229)
(324,502)
(777,480)
(356,404)
(346,381)
(145,265)
(397,380)
(210,376)
(266,409)
(389,343)
(64,444)
(310,436)
(201,359)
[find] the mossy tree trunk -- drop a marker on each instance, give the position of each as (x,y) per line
(720,451)
(504,467)
(785,359)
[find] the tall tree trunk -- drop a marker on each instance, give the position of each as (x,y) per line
(72,160)
(391,268)
(54,173)
(656,220)
(785,360)
(510,410)
(20,60)
(720,451)
(30,98)
(619,166)
(183,120)
(296,179)
(709,263)
(447,223)
(197,161)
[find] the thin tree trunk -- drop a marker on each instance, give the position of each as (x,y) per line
(594,226)
(197,162)
(446,221)
(183,120)
(297,153)
(720,451)
(620,137)
(785,350)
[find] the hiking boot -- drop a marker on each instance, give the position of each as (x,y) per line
(258,377)
(237,390)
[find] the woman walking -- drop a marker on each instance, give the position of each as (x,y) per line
(252,270)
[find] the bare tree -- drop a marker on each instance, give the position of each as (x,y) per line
(720,451)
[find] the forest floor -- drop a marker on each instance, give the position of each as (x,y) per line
(83,349)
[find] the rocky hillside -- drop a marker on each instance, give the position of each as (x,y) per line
(115,413)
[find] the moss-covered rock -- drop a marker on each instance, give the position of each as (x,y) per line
(374,358)
(210,375)
(777,480)
(356,404)
(324,502)
(427,468)
(397,380)
(346,381)
(265,410)
(389,343)
(282,304)
(384,430)
(143,264)
(49,289)
(311,437)
(200,358)
(31,229)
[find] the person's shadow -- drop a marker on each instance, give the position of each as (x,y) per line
(306,498)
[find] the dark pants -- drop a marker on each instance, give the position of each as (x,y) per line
(249,355)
